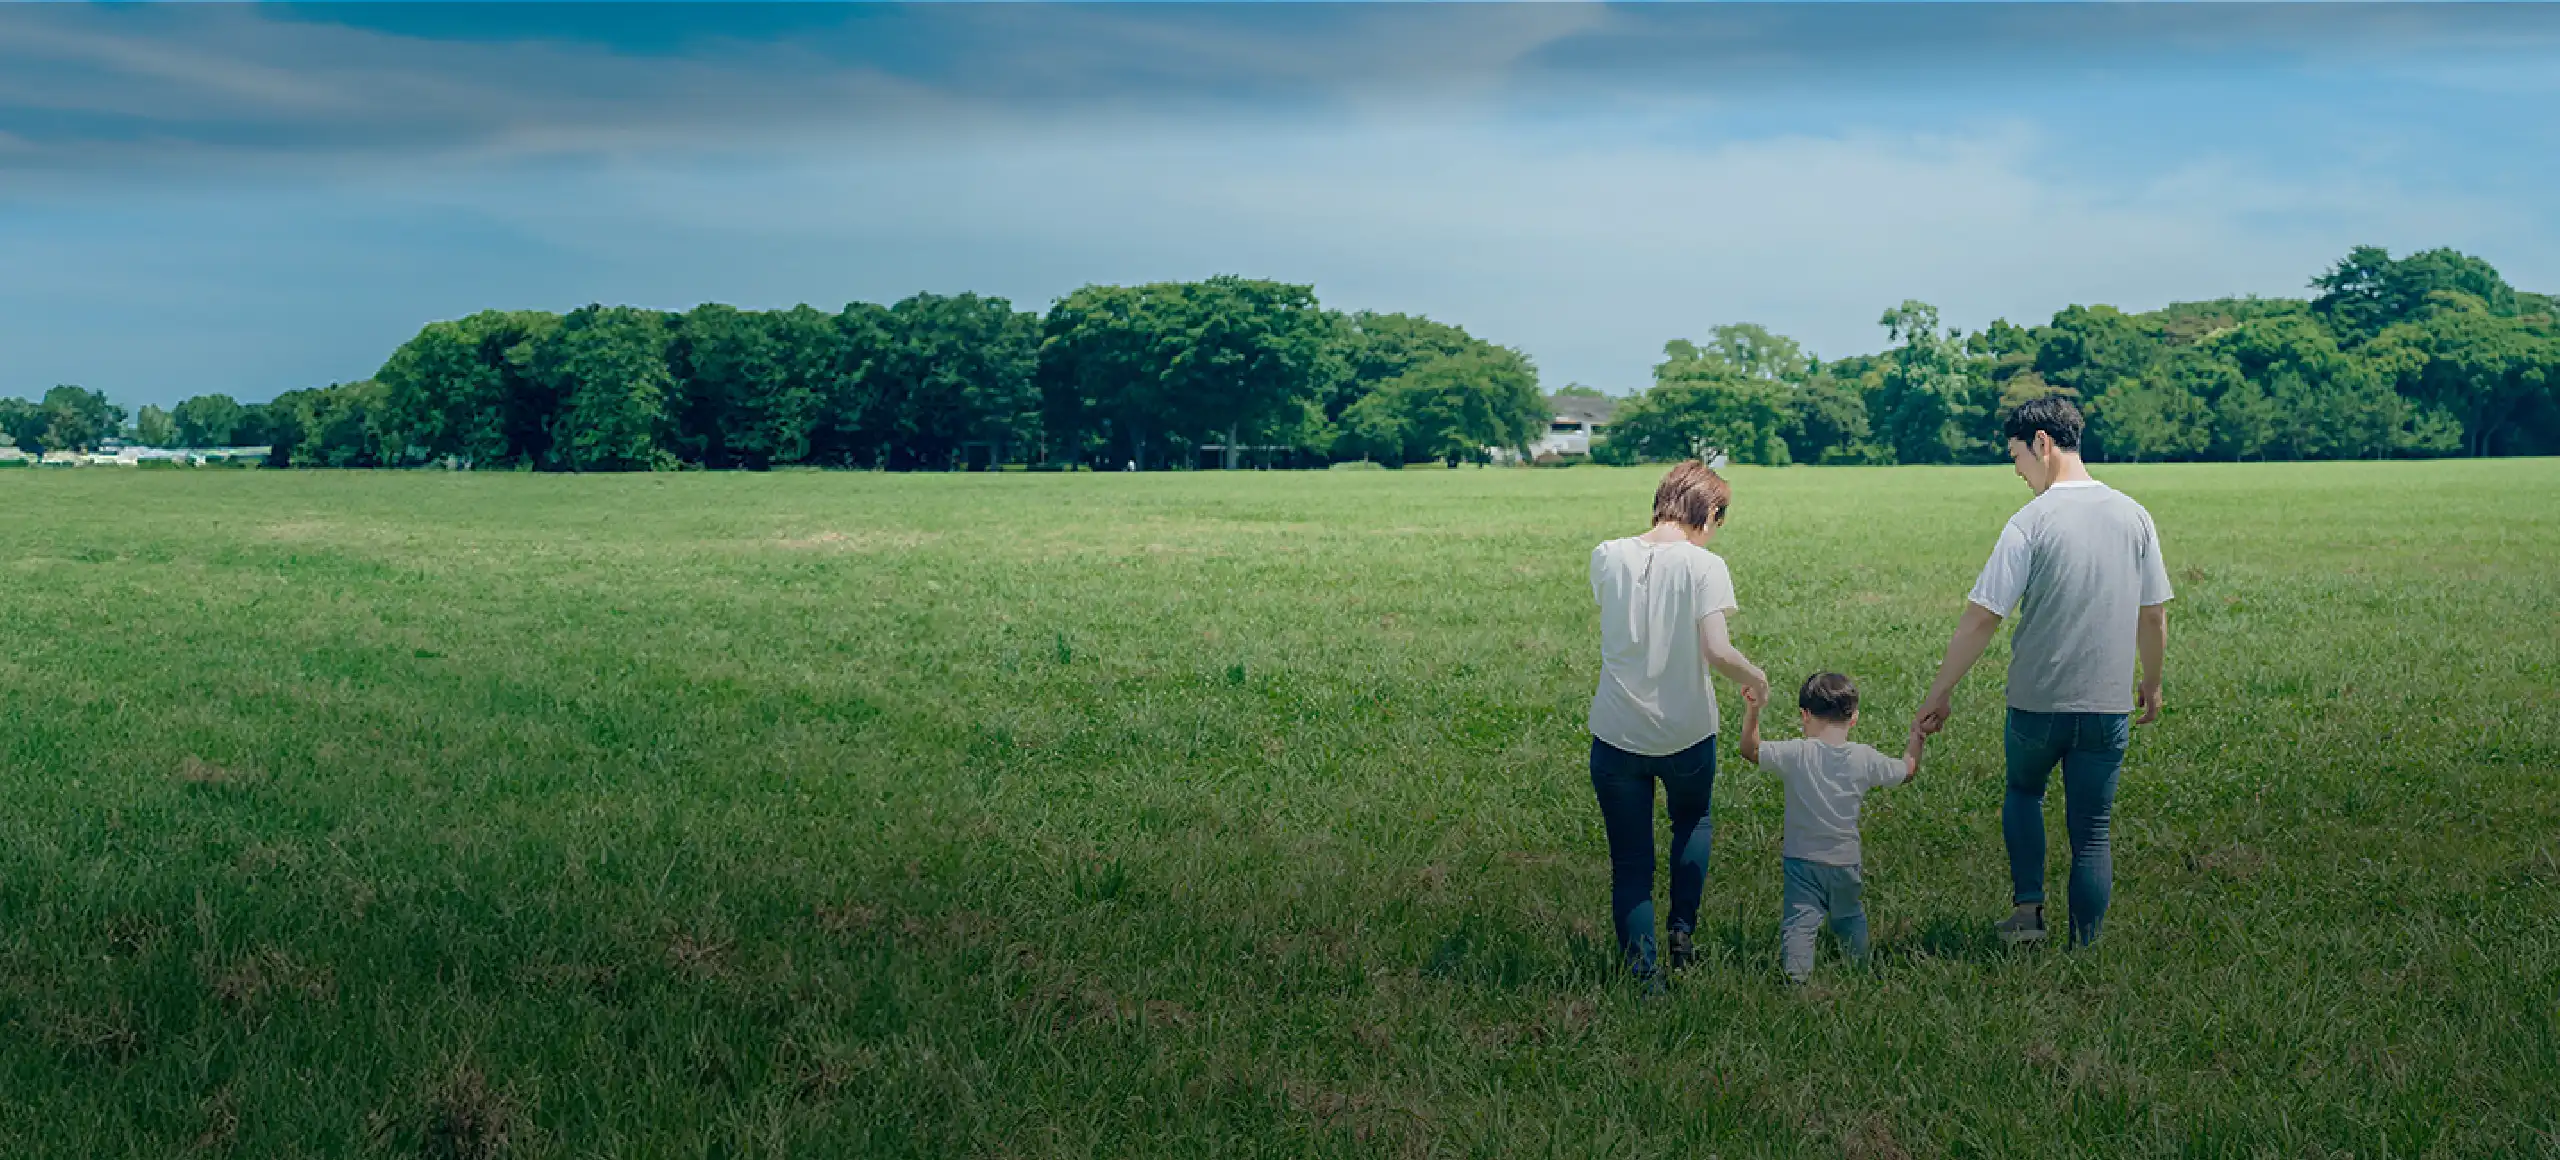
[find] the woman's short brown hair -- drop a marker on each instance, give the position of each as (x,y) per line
(1692,496)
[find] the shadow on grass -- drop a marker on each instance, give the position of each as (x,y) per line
(1967,939)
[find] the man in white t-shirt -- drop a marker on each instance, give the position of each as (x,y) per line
(1663,598)
(2080,566)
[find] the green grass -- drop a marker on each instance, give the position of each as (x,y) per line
(1186,815)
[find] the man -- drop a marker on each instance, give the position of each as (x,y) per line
(2080,565)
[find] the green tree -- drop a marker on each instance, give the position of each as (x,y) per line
(77,419)
(2152,419)
(468,389)
(1372,348)
(840,362)
(2327,405)
(2479,370)
(954,370)
(1579,391)
(1229,359)
(1746,349)
(340,425)
(752,389)
(1929,400)
(153,427)
(1827,423)
(207,420)
(608,367)
(22,424)
(1701,404)
(2369,291)
(1452,409)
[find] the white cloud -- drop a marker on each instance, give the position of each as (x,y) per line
(1587,252)
(1586,227)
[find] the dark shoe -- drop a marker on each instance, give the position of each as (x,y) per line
(1684,950)
(2024,925)
(1652,987)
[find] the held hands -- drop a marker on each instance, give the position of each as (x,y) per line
(1933,717)
(1755,696)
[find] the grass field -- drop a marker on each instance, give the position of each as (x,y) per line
(1190,815)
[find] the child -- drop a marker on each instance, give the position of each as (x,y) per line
(1826,776)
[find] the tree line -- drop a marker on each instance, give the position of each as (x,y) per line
(1147,376)
(2430,354)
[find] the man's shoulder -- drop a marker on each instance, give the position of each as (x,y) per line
(2070,503)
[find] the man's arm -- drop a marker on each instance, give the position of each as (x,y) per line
(2151,640)
(1749,747)
(1724,658)
(1973,635)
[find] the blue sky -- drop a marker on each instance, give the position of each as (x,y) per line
(252,199)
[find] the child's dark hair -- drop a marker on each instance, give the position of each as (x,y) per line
(2052,414)
(1830,696)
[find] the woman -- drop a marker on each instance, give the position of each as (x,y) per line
(1663,599)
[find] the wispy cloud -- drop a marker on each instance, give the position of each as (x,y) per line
(286,194)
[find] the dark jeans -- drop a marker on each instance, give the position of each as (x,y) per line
(2090,748)
(1623,782)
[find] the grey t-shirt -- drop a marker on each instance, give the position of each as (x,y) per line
(1825,784)
(2077,564)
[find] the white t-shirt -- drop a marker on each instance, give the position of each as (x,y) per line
(2077,565)
(1825,785)
(1654,698)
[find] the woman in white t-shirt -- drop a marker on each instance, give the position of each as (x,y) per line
(1663,598)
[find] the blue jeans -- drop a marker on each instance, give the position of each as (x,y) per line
(1816,890)
(2090,748)
(1623,782)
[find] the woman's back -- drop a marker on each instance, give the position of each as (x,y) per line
(1654,697)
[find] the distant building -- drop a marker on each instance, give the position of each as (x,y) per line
(1573,421)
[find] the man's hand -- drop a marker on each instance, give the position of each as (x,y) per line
(1933,717)
(1755,695)
(2151,641)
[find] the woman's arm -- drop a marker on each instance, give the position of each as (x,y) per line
(1722,657)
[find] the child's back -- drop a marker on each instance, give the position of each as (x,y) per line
(1826,783)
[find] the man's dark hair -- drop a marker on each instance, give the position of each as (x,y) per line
(1829,696)
(2053,414)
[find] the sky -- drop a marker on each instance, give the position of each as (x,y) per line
(252,199)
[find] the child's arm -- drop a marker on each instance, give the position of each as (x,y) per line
(1749,747)
(1911,755)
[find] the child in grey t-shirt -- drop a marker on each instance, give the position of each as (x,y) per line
(1827,776)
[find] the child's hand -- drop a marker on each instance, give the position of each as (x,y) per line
(1755,695)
